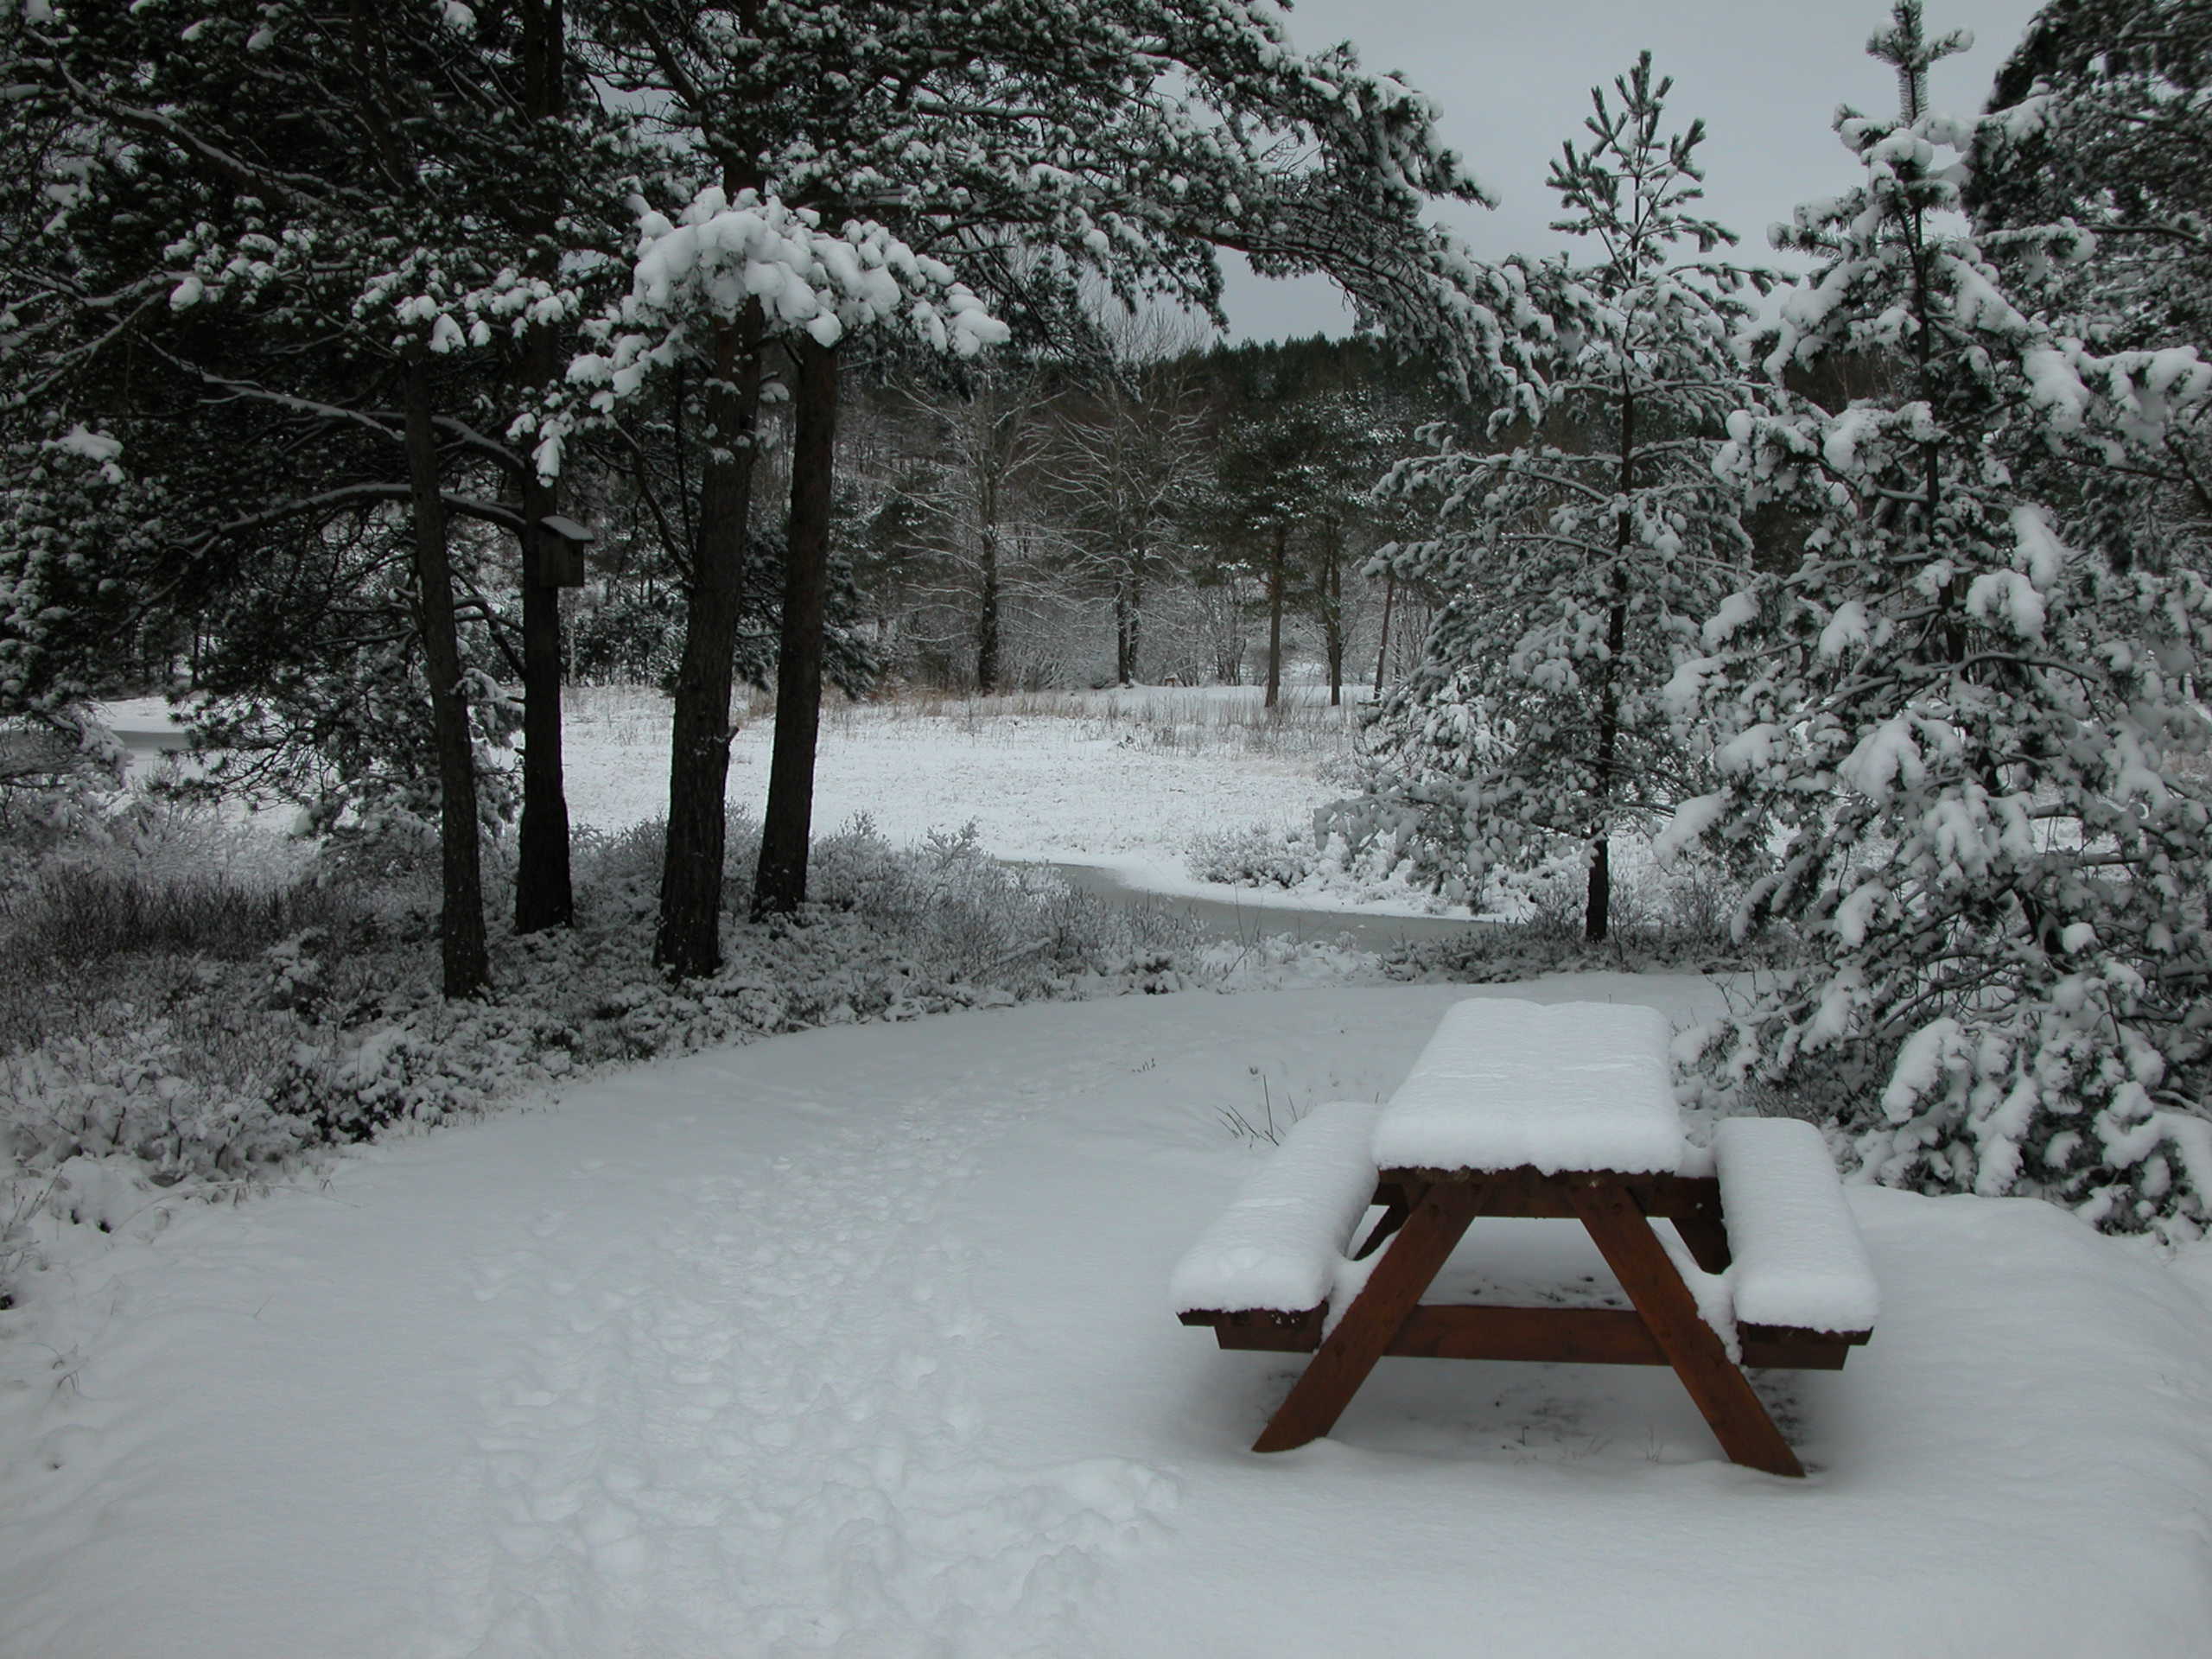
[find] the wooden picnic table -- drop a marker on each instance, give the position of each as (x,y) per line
(1518,1109)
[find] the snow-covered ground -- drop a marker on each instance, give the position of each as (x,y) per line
(857,1341)
(1126,781)
(1123,780)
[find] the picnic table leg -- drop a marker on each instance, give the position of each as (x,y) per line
(1396,1209)
(1437,1217)
(1705,1235)
(1622,1233)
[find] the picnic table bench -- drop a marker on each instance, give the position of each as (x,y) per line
(1526,1110)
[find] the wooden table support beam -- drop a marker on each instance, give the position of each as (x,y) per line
(1437,1217)
(1425,1214)
(1723,1393)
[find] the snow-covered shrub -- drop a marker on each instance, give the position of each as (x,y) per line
(155,1093)
(1255,856)
(964,917)
(76,911)
(207,1060)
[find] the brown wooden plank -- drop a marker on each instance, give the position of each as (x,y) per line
(1806,1352)
(1440,1216)
(1789,1347)
(1396,1209)
(1706,1236)
(1527,1193)
(1572,1335)
(1723,1394)
(1266,1331)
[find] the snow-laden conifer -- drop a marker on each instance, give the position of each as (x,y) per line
(701,270)
(1578,549)
(1962,716)
(2104,117)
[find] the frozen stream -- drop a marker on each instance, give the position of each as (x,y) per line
(1226,919)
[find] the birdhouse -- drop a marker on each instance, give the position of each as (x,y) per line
(561,550)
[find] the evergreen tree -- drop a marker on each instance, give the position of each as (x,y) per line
(1957,718)
(1269,485)
(1028,142)
(2105,113)
(289,260)
(1576,561)
(1126,466)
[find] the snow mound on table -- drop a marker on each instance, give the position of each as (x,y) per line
(1564,1085)
(1278,1246)
(1798,1259)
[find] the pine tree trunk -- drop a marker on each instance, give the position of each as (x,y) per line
(1121,666)
(463,956)
(1136,619)
(1333,620)
(1278,559)
(1383,649)
(986,606)
(688,939)
(543,895)
(1597,912)
(780,882)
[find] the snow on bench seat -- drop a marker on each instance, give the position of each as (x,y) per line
(1798,1258)
(1279,1245)
(1558,1086)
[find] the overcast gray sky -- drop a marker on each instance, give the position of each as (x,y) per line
(1513,78)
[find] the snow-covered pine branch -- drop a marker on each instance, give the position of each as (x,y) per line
(1961,702)
(702,268)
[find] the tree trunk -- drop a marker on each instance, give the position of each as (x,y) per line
(1382,650)
(688,939)
(1129,615)
(1332,619)
(1278,559)
(986,606)
(464,959)
(1596,910)
(780,882)
(1122,629)
(1135,641)
(543,895)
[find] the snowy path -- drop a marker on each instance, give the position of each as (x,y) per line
(770,1379)
(627,1381)
(857,1342)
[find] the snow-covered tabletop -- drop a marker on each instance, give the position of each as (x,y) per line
(1505,1084)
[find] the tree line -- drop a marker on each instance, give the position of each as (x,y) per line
(336,328)
(1134,513)
(325,323)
